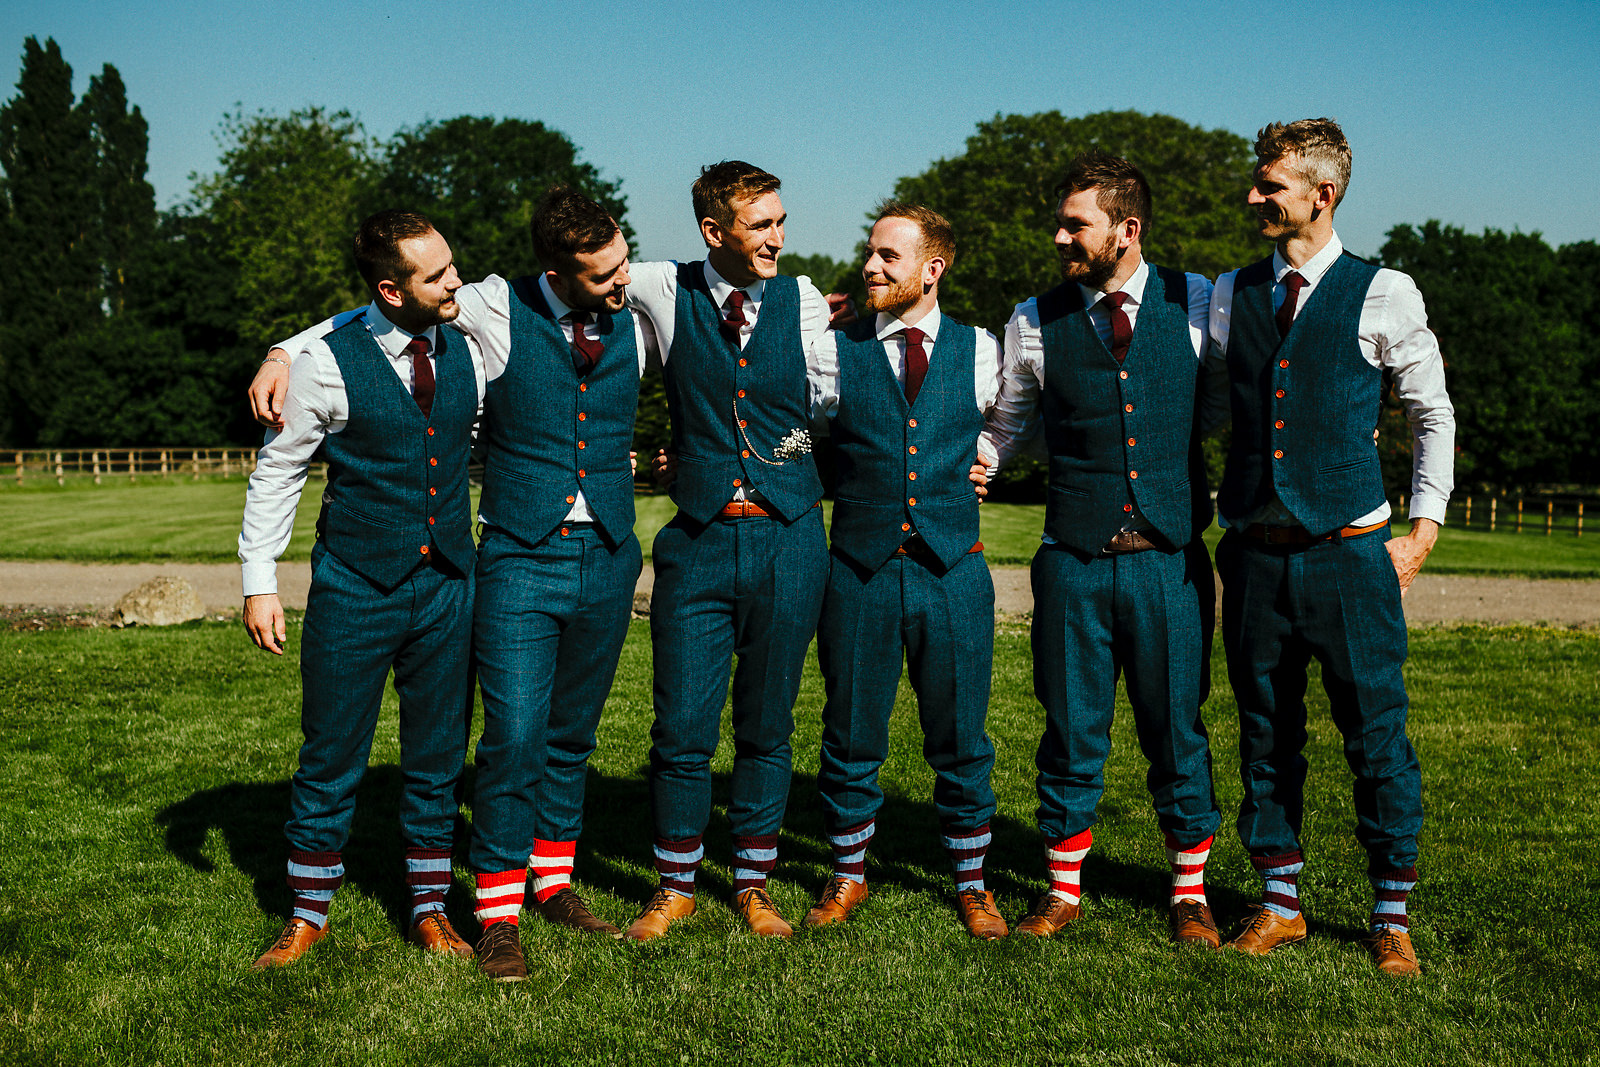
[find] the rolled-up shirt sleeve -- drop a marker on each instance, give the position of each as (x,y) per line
(1014,419)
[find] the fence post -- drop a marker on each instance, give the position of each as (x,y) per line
(1549,516)
(96,457)
(133,473)
(1580,518)
(61,478)
(1493,501)
(164,455)
(1519,514)
(19,468)
(1468,521)
(225,464)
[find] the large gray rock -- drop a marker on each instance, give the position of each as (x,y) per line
(162,601)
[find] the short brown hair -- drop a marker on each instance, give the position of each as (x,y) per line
(938,237)
(1321,153)
(567,224)
(1121,189)
(377,245)
(722,187)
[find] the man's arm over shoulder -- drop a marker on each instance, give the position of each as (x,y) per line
(1014,418)
(266,392)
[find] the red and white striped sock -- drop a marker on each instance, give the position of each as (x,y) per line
(1188,863)
(1064,859)
(551,867)
(498,896)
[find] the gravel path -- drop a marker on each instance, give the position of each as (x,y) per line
(58,587)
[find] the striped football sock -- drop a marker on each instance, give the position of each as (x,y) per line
(551,867)
(1282,877)
(753,860)
(498,896)
(1389,891)
(966,849)
(1064,861)
(677,861)
(1188,863)
(313,878)
(428,875)
(850,850)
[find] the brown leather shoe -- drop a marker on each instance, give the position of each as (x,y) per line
(1048,916)
(499,953)
(1192,924)
(1392,951)
(839,898)
(758,911)
(567,908)
(977,911)
(664,909)
(1265,930)
(434,933)
(298,936)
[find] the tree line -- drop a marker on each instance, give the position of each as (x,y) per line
(125,325)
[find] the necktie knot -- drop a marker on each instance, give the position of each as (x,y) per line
(916,362)
(1121,325)
(417,346)
(585,349)
(1293,282)
(733,322)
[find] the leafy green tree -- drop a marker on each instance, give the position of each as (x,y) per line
(281,211)
(479,179)
(126,212)
(1508,315)
(826,273)
(999,197)
(48,213)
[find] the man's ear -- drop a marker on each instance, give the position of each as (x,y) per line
(711,232)
(932,271)
(1132,230)
(391,294)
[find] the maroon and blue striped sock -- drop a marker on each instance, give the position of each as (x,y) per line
(1389,892)
(313,879)
(753,860)
(1282,877)
(850,850)
(428,875)
(677,862)
(967,849)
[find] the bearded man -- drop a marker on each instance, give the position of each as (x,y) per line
(1109,362)
(904,394)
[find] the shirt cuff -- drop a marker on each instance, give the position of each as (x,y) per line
(1428,507)
(260,577)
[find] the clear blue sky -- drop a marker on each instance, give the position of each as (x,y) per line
(1478,114)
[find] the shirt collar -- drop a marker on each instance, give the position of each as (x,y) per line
(558,309)
(391,338)
(1315,267)
(1134,287)
(889,325)
(721,288)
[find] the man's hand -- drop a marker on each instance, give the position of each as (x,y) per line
(664,467)
(267,391)
(1408,552)
(841,310)
(263,620)
(633,463)
(979,476)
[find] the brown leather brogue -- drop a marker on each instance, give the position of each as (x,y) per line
(759,913)
(296,938)
(1265,930)
(499,953)
(977,911)
(566,908)
(433,933)
(839,898)
(1050,913)
(1392,952)
(663,909)
(1192,924)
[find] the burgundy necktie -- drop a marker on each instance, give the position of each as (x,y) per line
(1121,328)
(733,325)
(1291,284)
(421,375)
(585,350)
(916,363)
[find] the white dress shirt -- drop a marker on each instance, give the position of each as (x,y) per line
(891,331)
(315,406)
(1393,334)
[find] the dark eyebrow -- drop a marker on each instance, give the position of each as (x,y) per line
(436,275)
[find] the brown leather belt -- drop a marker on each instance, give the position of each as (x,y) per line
(1128,541)
(917,548)
(1299,535)
(741,509)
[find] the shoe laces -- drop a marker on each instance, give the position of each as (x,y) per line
(286,938)
(1189,911)
(497,937)
(976,900)
(660,902)
(758,899)
(836,889)
(1387,939)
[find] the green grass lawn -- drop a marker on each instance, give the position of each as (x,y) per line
(143,784)
(199,522)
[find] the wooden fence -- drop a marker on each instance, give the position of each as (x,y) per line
(1544,513)
(112,465)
